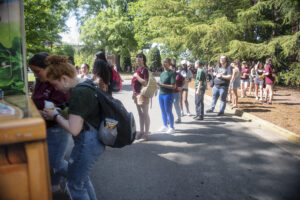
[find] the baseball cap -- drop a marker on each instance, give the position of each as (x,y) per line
(183,62)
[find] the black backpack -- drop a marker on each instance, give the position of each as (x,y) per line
(117,128)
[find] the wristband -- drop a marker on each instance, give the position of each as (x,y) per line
(55,116)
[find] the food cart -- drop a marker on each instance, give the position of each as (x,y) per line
(24,168)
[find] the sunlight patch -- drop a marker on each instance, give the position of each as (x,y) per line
(180,158)
(174,144)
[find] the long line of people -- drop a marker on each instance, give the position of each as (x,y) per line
(57,81)
(226,78)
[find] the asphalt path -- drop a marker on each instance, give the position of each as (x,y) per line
(218,158)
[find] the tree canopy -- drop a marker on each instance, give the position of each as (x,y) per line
(245,29)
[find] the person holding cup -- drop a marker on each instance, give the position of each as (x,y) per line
(46,96)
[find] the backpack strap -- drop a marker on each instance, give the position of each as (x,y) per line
(98,93)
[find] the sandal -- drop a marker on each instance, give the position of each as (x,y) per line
(139,135)
(145,137)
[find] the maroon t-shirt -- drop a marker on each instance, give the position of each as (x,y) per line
(45,91)
(179,81)
(136,85)
(245,71)
(270,78)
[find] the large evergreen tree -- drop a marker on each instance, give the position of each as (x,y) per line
(154,58)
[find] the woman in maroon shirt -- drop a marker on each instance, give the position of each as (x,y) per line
(245,72)
(270,74)
(140,78)
(57,137)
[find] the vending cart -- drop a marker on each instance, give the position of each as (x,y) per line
(24,168)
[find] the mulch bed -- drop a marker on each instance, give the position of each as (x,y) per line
(284,111)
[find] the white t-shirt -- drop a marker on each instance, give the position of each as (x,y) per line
(88,76)
(187,75)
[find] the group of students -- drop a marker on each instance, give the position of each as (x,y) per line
(173,90)
(57,81)
(261,76)
(227,78)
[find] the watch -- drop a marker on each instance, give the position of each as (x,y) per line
(55,116)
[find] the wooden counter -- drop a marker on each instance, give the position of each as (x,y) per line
(24,165)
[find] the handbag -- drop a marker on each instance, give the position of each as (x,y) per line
(150,89)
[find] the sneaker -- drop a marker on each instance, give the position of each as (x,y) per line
(188,114)
(220,114)
(171,131)
(195,117)
(163,129)
(200,117)
(209,111)
(256,98)
(182,114)
(178,121)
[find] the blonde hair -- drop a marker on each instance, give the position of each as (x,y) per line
(59,66)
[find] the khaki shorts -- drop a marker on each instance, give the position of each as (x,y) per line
(140,99)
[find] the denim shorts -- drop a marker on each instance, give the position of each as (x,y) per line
(245,80)
(259,81)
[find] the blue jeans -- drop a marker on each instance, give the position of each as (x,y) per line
(219,92)
(199,102)
(57,139)
(84,155)
(166,103)
(177,97)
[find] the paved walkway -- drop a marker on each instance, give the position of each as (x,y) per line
(219,158)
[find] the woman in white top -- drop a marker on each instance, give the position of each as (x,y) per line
(84,72)
(259,80)
(187,74)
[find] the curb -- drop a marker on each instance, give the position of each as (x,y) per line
(290,136)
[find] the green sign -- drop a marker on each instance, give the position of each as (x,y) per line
(12,67)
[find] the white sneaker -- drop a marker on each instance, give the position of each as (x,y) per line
(188,114)
(171,131)
(163,129)
(256,98)
(182,114)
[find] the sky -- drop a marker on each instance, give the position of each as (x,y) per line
(71,37)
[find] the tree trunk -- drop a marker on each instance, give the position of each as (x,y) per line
(118,59)
(174,62)
(295,26)
(275,19)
